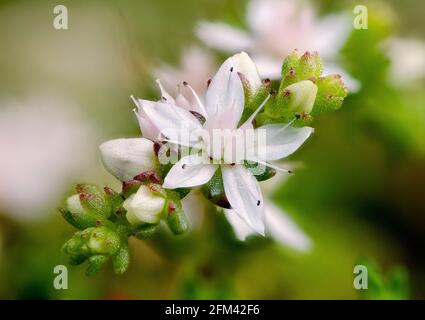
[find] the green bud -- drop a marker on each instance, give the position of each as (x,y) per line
(121,260)
(310,66)
(94,200)
(294,68)
(301,96)
(104,241)
(289,70)
(77,216)
(96,263)
(146,205)
(77,245)
(331,94)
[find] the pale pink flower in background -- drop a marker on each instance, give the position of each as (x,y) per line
(197,65)
(407,58)
(43,146)
(276,28)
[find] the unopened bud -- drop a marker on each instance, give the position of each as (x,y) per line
(301,96)
(144,206)
(103,241)
(310,66)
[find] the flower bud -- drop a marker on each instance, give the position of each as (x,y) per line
(125,158)
(144,206)
(301,96)
(103,241)
(310,66)
(331,94)
(76,215)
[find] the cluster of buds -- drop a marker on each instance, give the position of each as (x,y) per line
(302,93)
(107,219)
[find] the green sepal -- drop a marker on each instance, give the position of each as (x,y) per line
(121,259)
(96,263)
(265,171)
(174,214)
(80,220)
(255,100)
(94,200)
(145,231)
(213,190)
(115,199)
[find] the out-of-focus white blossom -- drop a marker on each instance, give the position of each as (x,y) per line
(197,65)
(276,28)
(407,60)
(44,145)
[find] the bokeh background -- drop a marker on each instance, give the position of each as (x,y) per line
(359,197)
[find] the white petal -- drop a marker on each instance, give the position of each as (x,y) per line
(244,64)
(126,158)
(148,128)
(240,228)
(223,37)
(279,226)
(174,122)
(282,229)
(281,141)
(225,92)
(189,171)
(244,195)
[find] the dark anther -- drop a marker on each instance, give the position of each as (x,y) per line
(198,116)
(156,147)
(185,83)
(231,69)
(258,202)
(184,166)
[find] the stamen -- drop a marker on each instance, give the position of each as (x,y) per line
(135,101)
(201,105)
(254,114)
(273,166)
